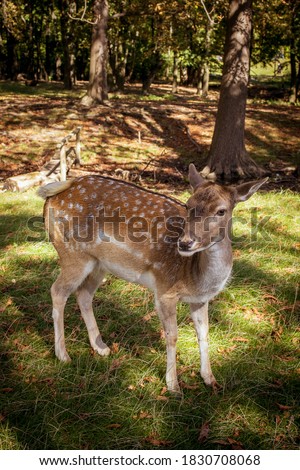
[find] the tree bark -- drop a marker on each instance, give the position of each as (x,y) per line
(294,51)
(203,83)
(67,46)
(97,89)
(228,159)
(175,73)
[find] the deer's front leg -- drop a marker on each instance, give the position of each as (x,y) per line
(199,314)
(166,309)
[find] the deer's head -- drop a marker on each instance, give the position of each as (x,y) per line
(209,212)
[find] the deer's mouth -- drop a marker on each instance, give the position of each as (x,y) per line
(195,248)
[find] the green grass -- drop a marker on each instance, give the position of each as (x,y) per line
(120,402)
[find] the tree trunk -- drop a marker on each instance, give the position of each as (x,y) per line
(67,39)
(175,73)
(12,65)
(228,158)
(203,83)
(97,88)
(294,51)
(118,63)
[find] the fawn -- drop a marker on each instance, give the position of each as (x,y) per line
(182,252)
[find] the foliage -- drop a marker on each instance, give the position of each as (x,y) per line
(39,39)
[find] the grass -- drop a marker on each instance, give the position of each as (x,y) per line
(120,402)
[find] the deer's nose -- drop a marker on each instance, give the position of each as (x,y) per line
(184,244)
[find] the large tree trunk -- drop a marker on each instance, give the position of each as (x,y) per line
(97,88)
(228,159)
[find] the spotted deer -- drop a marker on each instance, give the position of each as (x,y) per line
(182,252)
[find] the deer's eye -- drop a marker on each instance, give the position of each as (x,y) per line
(221,212)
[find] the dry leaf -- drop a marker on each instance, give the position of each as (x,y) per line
(150,379)
(142,415)
(149,315)
(284,407)
(115,348)
(241,339)
(188,386)
(278,420)
(222,442)
(113,426)
(226,350)
(117,362)
(235,445)
(156,441)
(7,304)
(276,334)
(204,431)
(162,398)
(7,390)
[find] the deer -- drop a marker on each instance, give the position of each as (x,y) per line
(182,252)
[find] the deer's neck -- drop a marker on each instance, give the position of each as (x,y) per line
(215,259)
(209,271)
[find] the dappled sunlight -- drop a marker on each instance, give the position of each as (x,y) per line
(121,401)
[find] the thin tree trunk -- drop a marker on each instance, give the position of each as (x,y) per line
(295,30)
(228,158)
(65,36)
(175,73)
(97,88)
(203,83)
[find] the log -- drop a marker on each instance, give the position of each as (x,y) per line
(21,183)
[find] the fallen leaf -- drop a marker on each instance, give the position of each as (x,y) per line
(235,445)
(188,386)
(156,441)
(117,362)
(284,407)
(204,431)
(222,442)
(7,390)
(241,339)
(226,350)
(115,348)
(276,334)
(277,420)
(162,398)
(113,426)
(148,316)
(142,415)
(150,379)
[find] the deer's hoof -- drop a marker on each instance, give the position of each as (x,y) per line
(63,356)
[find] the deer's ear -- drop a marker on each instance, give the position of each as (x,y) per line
(195,178)
(245,190)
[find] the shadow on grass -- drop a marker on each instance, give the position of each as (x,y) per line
(115,402)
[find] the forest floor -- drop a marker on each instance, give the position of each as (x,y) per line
(154,137)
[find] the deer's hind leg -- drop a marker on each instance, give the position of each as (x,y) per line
(85,294)
(71,276)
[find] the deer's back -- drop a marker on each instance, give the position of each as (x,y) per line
(130,230)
